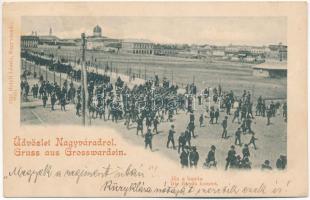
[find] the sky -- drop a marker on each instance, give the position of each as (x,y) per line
(171,30)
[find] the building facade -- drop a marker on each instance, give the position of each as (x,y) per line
(277,52)
(29,41)
(137,46)
(164,50)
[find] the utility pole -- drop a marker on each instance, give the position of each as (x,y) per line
(84,81)
(55,71)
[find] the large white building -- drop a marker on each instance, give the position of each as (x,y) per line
(137,46)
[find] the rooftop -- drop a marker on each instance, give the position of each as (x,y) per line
(29,37)
(137,41)
(48,37)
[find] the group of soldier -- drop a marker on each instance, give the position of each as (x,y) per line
(151,103)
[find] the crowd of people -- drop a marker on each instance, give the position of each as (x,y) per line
(152,103)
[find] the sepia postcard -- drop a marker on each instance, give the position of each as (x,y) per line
(155,99)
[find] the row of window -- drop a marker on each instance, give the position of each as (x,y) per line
(29,43)
(142,51)
(143,46)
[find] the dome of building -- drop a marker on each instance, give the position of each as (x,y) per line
(97,31)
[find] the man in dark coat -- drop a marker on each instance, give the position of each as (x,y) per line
(238,137)
(140,125)
(156,122)
(63,103)
(217,115)
(182,142)
(188,137)
(266,165)
(231,157)
(269,115)
(252,141)
(236,116)
(44,99)
(210,161)
(184,158)
(191,128)
(248,123)
(224,125)
(201,120)
(148,139)
(78,107)
(171,137)
(245,151)
(281,163)
(53,100)
(212,115)
(193,157)
(192,117)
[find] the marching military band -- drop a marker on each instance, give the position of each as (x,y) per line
(147,105)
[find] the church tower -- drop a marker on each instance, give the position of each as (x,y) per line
(51,32)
